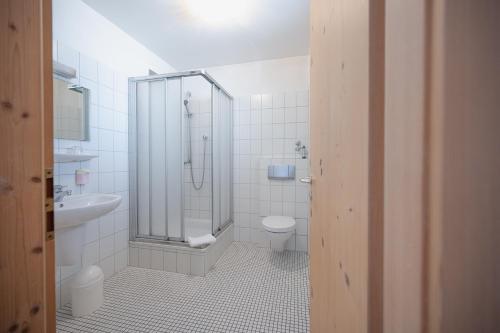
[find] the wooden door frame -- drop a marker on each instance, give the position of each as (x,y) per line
(27,263)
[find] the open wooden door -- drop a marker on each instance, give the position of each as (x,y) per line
(347,100)
(27,270)
(405,160)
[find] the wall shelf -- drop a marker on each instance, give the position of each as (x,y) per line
(62,157)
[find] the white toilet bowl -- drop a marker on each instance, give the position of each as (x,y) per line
(279,229)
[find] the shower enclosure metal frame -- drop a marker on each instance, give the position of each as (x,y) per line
(133,158)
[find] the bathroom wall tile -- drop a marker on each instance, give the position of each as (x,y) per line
(183,263)
(121,83)
(302,227)
(157,259)
(303,98)
(278,100)
(121,260)
(121,220)
(106,118)
(290,99)
(106,97)
(256,102)
(170,261)
(106,246)
(121,181)
(244,103)
(121,240)
(91,231)
(69,57)
(68,271)
(267,101)
(68,168)
(121,102)
(106,140)
(275,125)
(120,122)
(302,244)
(90,254)
(120,142)
(244,234)
(58,295)
(65,293)
(121,161)
(88,68)
(198,265)
(290,244)
(106,182)
(108,266)
(133,256)
(144,258)
(54,49)
(106,76)
(106,225)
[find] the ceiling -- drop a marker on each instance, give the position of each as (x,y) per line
(271,29)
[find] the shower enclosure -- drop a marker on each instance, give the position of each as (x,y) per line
(180,137)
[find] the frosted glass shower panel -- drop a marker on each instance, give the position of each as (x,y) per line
(216,224)
(157,144)
(159,158)
(175,158)
(222,124)
(226,108)
(143,179)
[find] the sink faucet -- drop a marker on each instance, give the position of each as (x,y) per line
(59,194)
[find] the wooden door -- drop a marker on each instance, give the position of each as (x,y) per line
(26,246)
(347,58)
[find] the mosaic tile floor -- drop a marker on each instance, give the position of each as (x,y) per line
(250,289)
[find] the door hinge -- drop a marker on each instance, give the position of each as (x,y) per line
(49,204)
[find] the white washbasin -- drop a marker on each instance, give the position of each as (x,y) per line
(77,209)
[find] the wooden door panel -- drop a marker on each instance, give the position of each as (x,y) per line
(346,153)
(25,80)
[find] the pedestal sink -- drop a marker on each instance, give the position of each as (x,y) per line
(70,217)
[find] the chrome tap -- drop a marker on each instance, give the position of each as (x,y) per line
(301,149)
(59,194)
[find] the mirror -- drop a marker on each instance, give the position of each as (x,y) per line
(71,111)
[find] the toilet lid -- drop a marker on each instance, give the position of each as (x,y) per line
(278,223)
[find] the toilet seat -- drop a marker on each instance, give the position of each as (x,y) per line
(279,223)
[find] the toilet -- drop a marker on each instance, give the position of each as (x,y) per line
(279,229)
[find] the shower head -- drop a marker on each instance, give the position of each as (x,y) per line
(187,99)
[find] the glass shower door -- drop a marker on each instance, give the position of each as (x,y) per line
(158,155)
(222,148)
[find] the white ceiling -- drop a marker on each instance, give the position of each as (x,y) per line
(273,29)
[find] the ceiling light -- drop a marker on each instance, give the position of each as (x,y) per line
(220,12)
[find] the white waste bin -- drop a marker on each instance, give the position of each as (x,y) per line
(87,293)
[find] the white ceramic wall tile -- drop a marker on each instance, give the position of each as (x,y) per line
(144,257)
(106,238)
(108,266)
(88,68)
(183,263)
(90,254)
(157,259)
(106,246)
(276,123)
(170,261)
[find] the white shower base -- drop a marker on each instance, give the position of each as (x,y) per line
(180,258)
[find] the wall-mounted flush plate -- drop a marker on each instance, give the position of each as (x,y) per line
(281,172)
